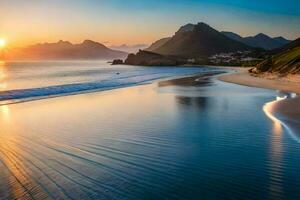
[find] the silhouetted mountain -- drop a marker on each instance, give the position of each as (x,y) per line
(129,48)
(88,49)
(285,62)
(200,40)
(260,40)
(157,44)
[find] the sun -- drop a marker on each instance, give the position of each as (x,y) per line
(2,43)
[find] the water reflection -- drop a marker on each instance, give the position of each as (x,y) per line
(278,120)
(205,79)
(134,143)
(3,75)
(200,103)
(5,112)
(276,151)
(276,147)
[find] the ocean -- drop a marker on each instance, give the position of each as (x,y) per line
(152,140)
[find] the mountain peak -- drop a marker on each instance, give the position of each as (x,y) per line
(202,24)
(191,27)
(200,40)
(262,35)
(89,42)
(62,42)
(186,28)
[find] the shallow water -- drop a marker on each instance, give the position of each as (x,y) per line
(28,80)
(149,142)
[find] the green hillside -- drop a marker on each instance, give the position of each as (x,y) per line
(286,62)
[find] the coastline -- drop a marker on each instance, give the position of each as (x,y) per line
(242,77)
(286,107)
(137,133)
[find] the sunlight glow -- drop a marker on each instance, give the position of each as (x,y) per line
(5,113)
(2,43)
(278,125)
(277,128)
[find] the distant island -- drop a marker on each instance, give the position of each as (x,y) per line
(61,50)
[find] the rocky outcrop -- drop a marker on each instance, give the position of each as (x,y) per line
(146,58)
(117,62)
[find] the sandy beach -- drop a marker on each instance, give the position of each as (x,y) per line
(242,77)
(288,107)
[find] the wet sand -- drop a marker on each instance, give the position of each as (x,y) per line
(287,107)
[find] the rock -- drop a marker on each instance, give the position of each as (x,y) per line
(117,62)
(147,58)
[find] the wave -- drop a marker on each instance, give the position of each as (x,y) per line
(21,95)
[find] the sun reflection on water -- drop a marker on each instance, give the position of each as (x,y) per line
(5,112)
(3,75)
(276,150)
(276,146)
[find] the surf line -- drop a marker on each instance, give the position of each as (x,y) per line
(268,110)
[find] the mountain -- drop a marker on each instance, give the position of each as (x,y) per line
(200,40)
(186,28)
(233,36)
(260,40)
(285,62)
(157,44)
(281,40)
(291,45)
(129,48)
(60,50)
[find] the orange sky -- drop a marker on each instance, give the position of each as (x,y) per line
(134,22)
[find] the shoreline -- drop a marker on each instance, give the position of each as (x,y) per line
(286,107)
(242,77)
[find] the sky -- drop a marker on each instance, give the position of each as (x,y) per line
(115,22)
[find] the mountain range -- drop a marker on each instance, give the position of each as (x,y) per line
(260,40)
(196,41)
(60,50)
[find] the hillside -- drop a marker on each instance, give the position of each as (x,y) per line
(200,40)
(259,41)
(157,44)
(65,50)
(286,62)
